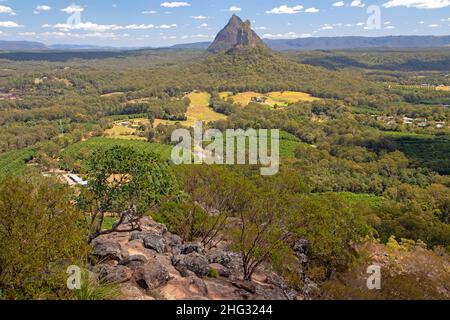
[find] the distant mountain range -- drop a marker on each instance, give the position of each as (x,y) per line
(335,43)
(22,45)
(319,43)
(329,43)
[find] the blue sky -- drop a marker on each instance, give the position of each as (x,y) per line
(161,23)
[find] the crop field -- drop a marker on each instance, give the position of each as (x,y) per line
(426,150)
(359,200)
(15,162)
(288,144)
(73,157)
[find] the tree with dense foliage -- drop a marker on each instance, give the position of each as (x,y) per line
(127,182)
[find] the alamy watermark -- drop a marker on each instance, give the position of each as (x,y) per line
(74,11)
(232,147)
(374,279)
(74,278)
(374,20)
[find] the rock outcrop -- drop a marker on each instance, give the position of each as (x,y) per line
(237,34)
(155,264)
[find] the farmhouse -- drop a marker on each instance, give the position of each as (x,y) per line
(259,99)
(76,179)
(440,124)
(408,121)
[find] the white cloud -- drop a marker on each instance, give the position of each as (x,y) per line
(291,35)
(357,4)
(167,26)
(327,27)
(150,12)
(7,10)
(338,4)
(198,36)
(260,28)
(73,8)
(286,10)
(434,25)
(389,27)
(312,10)
(55,34)
(100,28)
(199,17)
(203,25)
(360,24)
(235,9)
(43,7)
(420,4)
(138,27)
(27,34)
(175,4)
(9,24)
(85,26)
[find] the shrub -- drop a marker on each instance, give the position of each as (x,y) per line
(40,236)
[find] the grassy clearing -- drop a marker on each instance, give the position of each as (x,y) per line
(119,131)
(199,110)
(244,98)
(276,98)
(199,98)
(164,122)
(291,96)
(443,88)
(112,94)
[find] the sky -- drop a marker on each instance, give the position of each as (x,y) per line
(157,23)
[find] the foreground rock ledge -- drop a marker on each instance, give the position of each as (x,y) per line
(155,264)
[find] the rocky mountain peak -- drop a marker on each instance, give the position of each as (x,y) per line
(236,34)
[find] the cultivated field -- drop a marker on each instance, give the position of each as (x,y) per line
(14,162)
(73,157)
